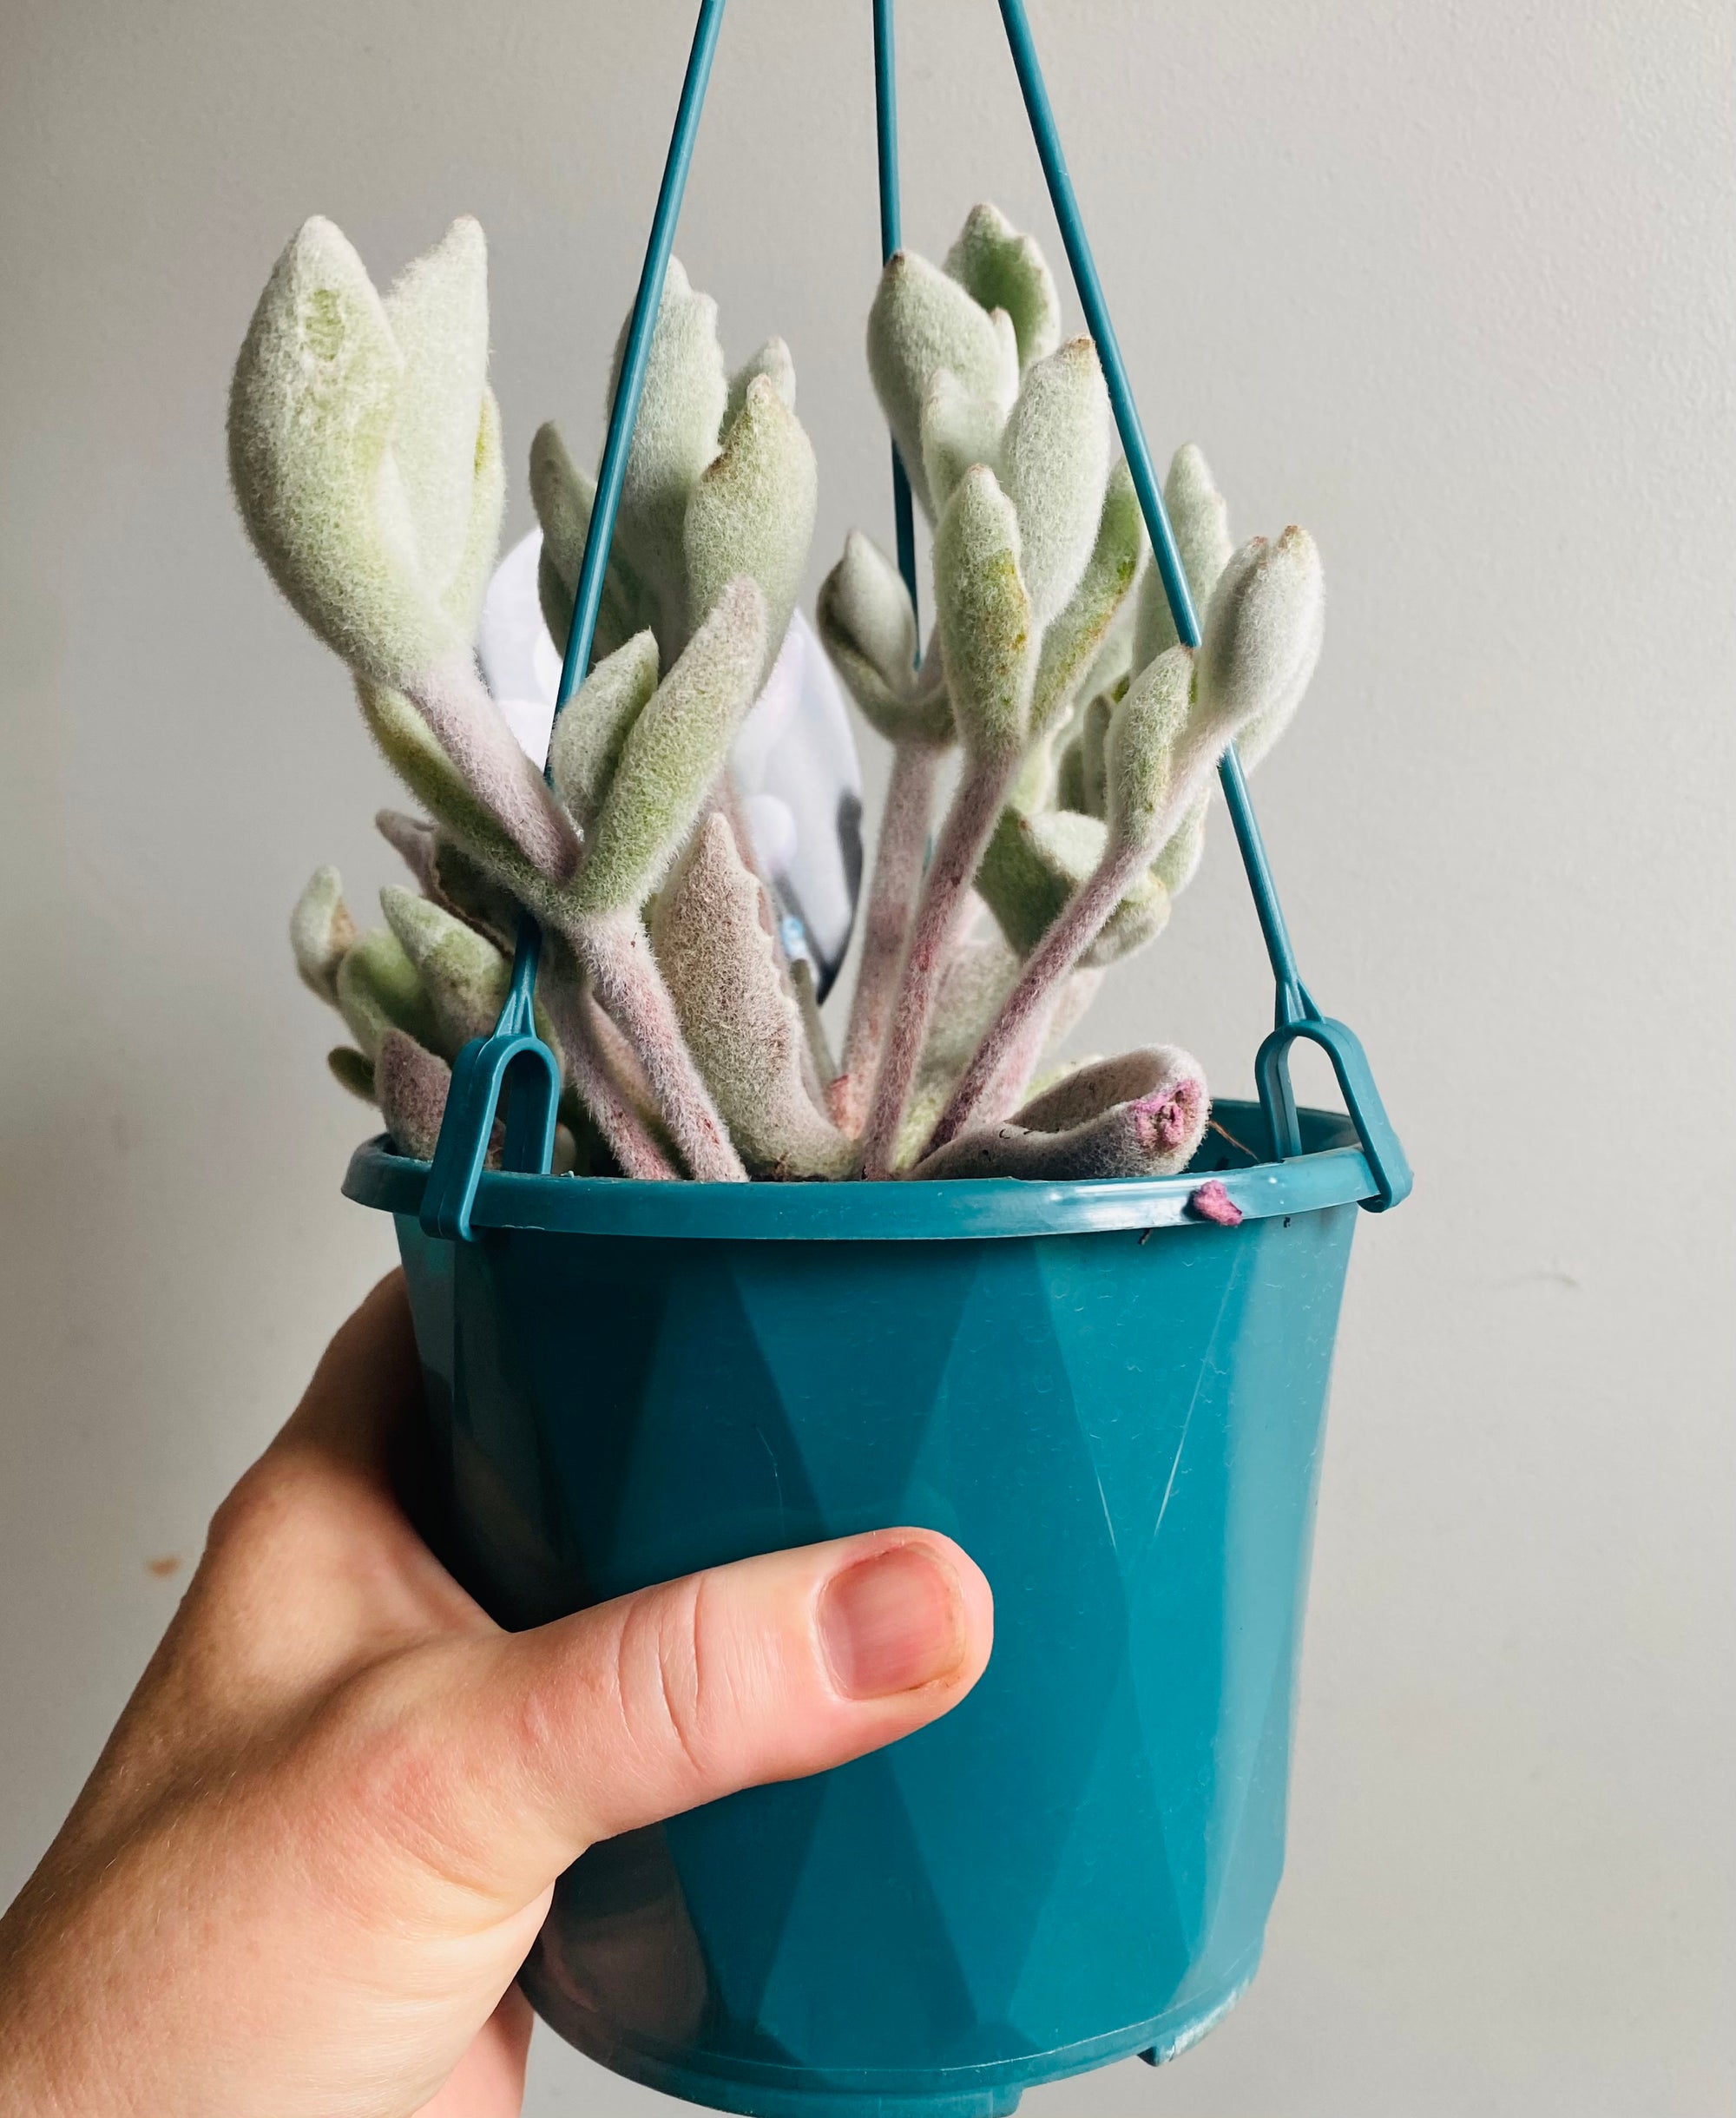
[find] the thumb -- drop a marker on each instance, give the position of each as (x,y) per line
(528,1747)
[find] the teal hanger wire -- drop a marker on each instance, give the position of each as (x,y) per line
(1297,1016)
(480,1074)
(587,599)
(891,241)
(481,1071)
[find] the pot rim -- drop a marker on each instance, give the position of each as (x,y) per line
(1330,1172)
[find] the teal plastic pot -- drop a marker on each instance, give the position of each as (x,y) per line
(1115,1407)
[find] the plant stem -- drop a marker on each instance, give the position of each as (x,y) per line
(898,877)
(1007,1090)
(983,1087)
(580,1024)
(617,954)
(970,824)
(472,730)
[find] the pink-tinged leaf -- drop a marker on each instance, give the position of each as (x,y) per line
(1141,1114)
(609,1081)
(739,1021)
(411,1085)
(616,955)
(413,838)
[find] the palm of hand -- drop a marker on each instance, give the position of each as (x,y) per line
(322,1837)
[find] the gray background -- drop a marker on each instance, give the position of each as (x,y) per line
(1452,285)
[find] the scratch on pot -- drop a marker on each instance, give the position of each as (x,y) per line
(1208,1365)
(771,1458)
(1108,1519)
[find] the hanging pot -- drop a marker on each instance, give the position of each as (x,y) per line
(1114,1404)
(1115,1407)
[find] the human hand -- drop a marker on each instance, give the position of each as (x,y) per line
(323,1835)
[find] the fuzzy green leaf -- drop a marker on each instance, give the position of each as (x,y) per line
(1179,862)
(464,975)
(863,602)
(1001,269)
(321,933)
(979,974)
(351,1071)
(472,730)
(1143,752)
(752,513)
(675,435)
(1094,729)
(773,362)
(562,496)
(1072,644)
(408,745)
(1200,520)
(463,593)
(384,557)
(1112,664)
(885,709)
(1069,777)
(922,321)
(316,390)
(672,754)
(1137,922)
(1261,640)
(591,734)
(437,309)
(378,989)
(869,630)
(1034,863)
(959,429)
(413,837)
(469,889)
(1055,466)
(988,636)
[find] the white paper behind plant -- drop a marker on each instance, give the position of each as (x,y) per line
(794,762)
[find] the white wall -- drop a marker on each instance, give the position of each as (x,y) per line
(1453,285)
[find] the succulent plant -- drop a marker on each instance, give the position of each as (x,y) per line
(680,976)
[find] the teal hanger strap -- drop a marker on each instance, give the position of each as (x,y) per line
(479,1076)
(513,1052)
(891,238)
(512,1057)
(1297,1014)
(1387,1165)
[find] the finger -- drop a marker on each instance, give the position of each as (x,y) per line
(489,2081)
(359,1440)
(311,1569)
(510,1756)
(365,1389)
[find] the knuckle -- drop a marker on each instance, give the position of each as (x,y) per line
(258,1510)
(407,1807)
(662,1658)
